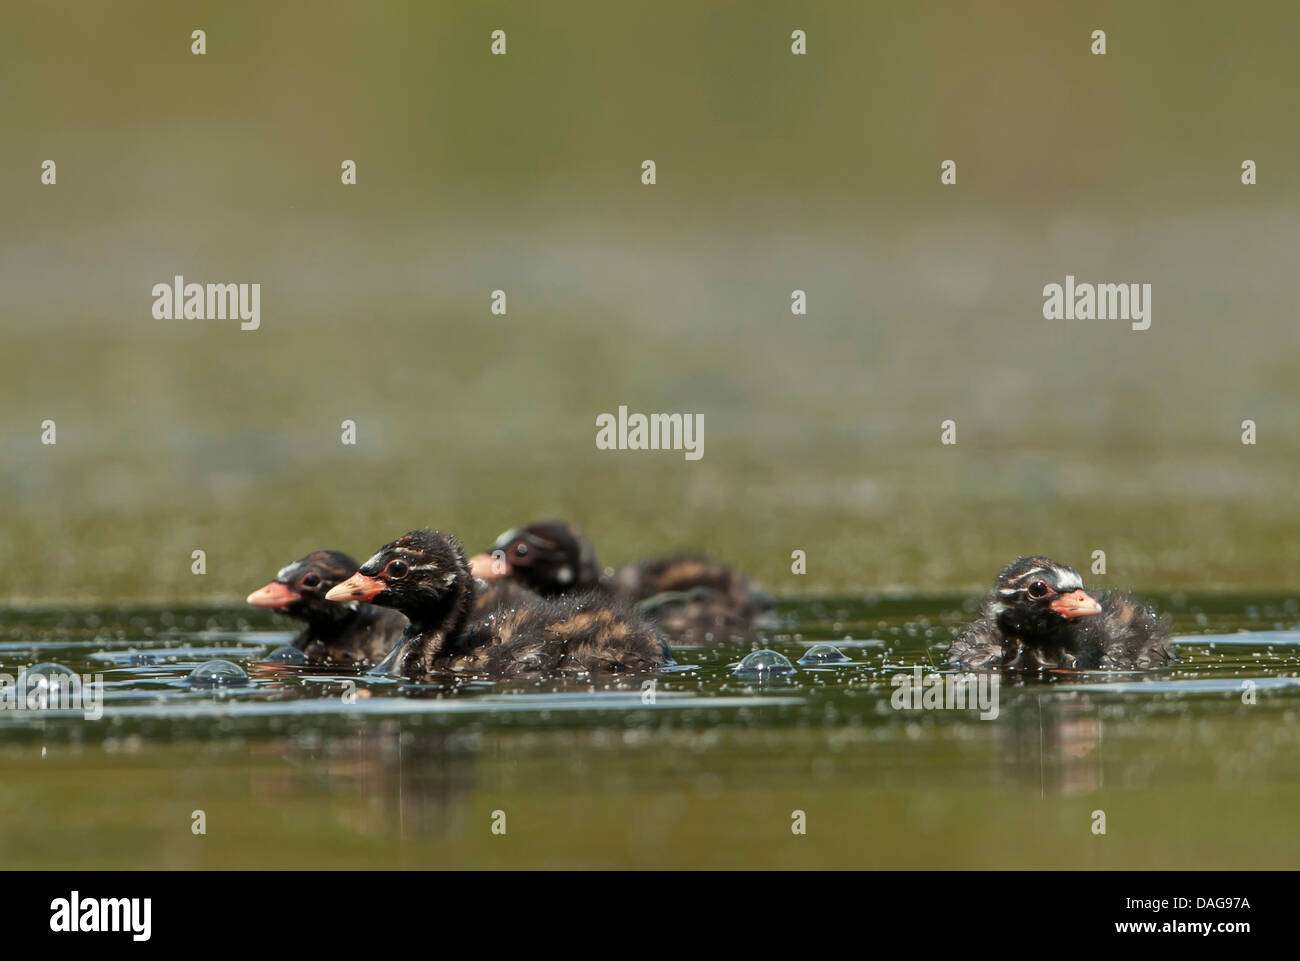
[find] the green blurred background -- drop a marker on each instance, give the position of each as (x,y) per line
(775,172)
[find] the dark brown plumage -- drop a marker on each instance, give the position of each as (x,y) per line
(489,595)
(548,557)
(1038,617)
(353,633)
(696,600)
(693,600)
(424,574)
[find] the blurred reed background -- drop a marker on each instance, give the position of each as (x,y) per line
(775,172)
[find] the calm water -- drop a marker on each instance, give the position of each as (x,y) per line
(300,767)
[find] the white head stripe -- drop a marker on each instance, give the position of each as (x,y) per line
(1032,570)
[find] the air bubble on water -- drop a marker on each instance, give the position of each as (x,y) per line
(286,655)
(764,664)
(48,674)
(824,654)
(217,673)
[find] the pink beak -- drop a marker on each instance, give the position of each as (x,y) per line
(358,587)
(274,595)
(1076,604)
(487,567)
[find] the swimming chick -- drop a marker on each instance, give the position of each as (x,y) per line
(424,574)
(692,599)
(353,633)
(1039,617)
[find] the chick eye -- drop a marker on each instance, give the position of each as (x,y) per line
(396,569)
(1039,589)
(521,550)
(311,580)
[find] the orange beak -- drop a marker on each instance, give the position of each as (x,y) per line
(274,595)
(487,567)
(358,587)
(1076,604)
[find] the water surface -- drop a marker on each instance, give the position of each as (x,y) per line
(301,766)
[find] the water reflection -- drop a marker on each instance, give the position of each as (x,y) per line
(384,782)
(1053,743)
(341,768)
